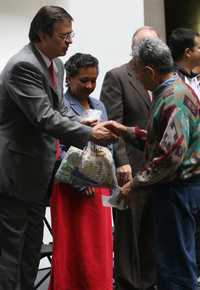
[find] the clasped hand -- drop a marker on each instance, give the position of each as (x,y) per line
(101,134)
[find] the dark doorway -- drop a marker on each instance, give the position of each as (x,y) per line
(182,13)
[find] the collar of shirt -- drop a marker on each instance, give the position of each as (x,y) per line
(184,72)
(47,60)
(164,85)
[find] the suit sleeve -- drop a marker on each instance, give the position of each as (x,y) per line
(25,85)
(112,97)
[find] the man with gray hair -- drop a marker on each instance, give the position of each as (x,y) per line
(128,102)
(172,165)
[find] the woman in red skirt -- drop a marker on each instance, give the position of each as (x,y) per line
(82,228)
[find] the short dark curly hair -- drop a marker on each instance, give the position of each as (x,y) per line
(80,60)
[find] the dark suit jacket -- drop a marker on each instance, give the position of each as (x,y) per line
(32,117)
(127,102)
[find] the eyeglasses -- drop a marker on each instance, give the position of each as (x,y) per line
(66,36)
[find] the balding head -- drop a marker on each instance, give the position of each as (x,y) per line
(143,32)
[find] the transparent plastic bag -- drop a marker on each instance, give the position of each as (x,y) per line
(92,166)
(97,164)
(91,115)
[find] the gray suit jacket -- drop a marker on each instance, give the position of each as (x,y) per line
(127,102)
(32,117)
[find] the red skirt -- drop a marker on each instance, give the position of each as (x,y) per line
(82,240)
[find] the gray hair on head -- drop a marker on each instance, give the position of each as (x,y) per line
(154,52)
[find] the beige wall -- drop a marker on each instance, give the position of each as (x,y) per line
(154,15)
(104,28)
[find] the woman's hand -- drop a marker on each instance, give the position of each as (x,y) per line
(90,191)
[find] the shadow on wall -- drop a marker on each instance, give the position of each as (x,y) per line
(154,15)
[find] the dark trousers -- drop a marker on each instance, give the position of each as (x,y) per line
(134,265)
(21,232)
(175,206)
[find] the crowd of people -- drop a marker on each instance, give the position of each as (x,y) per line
(150,123)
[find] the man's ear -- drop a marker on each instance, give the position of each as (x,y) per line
(188,52)
(149,71)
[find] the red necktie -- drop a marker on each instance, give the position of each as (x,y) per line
(52,76)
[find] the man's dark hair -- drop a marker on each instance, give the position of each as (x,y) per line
(45,19)
(179,40)
(78,61)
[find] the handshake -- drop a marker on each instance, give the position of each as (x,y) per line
(110,131)
(104,133)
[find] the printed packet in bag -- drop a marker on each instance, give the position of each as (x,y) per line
(68,171)
(98,164)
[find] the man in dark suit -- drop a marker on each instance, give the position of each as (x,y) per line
(32,118)
(127,102)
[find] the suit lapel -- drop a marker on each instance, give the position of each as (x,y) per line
(52,93)
(74,104)
(137,85)
(77,107)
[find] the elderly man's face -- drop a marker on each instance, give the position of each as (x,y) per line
(146,75)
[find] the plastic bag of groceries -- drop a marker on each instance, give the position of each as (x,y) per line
(92,166)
